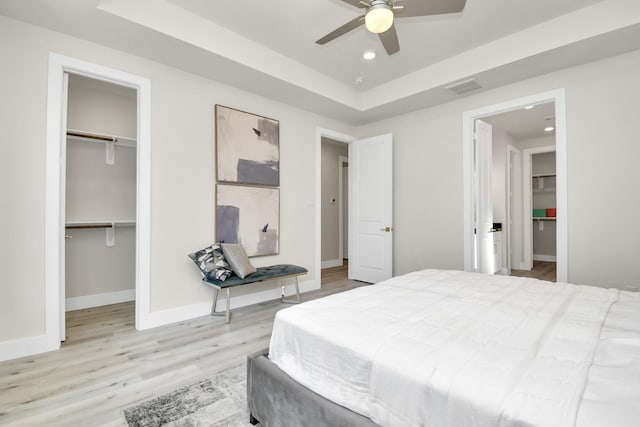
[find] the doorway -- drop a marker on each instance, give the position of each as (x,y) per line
(334,159)
(557,98)
(523,182)
(59,68)
(323,134)
(100,194)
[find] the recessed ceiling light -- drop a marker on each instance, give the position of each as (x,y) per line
(369,55)
(528,107)
(549,128)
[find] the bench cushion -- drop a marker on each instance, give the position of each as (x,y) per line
(262,274)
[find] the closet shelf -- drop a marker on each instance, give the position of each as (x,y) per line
(100,224)
(81,135)
(543,175)
(544,218)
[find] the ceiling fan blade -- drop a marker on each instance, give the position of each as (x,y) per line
(389,40)
(353,24)
(431,7)
(356,3)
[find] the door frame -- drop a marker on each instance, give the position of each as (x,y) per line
(55,170)
(336,136)
(341,161)
(468,118)
(514,216)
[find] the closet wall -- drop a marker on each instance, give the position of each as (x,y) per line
(100,194)
(544,196)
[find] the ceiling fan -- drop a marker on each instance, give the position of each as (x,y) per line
(379,15)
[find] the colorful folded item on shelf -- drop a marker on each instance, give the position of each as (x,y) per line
(539,213)
(551,212)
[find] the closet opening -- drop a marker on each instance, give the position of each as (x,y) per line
(334,206)
(523,164)
(507,187)
(99,194)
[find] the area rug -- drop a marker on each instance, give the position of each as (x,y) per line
(219,400)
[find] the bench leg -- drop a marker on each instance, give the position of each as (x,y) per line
(228,316)
(290,301)
(227,313)
(215,301)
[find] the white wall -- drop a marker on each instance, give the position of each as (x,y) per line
(603,148)
(101,107)
(182,173)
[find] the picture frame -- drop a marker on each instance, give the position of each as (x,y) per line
(247,148)
(249,215)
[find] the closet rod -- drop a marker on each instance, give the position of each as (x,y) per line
(106,225)
(92,136)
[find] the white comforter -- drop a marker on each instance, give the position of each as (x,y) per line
(446,348)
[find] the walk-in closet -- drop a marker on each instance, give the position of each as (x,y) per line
(543,200)
(100,194)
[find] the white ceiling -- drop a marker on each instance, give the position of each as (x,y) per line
(268,47)
(523,123)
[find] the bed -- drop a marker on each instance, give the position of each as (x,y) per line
(449,348)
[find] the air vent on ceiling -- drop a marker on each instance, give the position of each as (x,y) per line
(465,86)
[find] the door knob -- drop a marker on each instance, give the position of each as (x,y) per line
(386,229)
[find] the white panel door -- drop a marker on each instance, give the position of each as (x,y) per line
(483,160)
(371,209)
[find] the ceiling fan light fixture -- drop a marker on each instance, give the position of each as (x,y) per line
(379,17)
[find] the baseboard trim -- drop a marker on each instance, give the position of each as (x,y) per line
(97,300)
(547,258)
(331,263)
(28,346)
(187,312)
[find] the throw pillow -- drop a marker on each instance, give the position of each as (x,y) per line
(212,263)
(238,259)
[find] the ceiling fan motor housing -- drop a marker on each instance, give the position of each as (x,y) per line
(379,16)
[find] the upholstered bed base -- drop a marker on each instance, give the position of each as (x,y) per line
(276,400)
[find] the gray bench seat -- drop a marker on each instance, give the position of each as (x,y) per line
(262,274)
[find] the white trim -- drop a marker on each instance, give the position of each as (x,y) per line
(513,191)
(337,136)
(97,300)
(547,258)
(527,202)
(331,263)
(22,347)
(341,161)
(468,117)
(187,312)
(54,227)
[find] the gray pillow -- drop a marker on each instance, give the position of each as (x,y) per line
(237,259)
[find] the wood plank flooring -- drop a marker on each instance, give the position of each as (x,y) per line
(106,365)
(542,270)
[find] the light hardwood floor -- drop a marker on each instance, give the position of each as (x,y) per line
(542,270)
(106,365)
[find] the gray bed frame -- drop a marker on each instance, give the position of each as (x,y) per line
(277,400)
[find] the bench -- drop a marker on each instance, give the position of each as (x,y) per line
(262,274)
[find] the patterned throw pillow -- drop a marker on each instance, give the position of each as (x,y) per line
(212,263)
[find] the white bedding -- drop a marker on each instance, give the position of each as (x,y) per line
(447,348)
